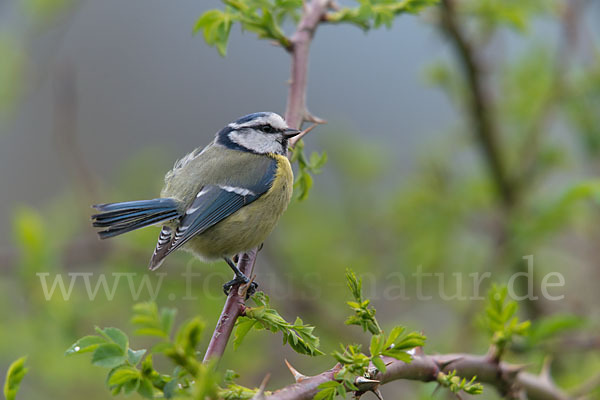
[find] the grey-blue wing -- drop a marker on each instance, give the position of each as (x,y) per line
(212,204)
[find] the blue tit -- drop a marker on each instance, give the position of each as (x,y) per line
(218,201)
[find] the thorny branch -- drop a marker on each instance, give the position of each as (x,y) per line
(425,368)
(296,113)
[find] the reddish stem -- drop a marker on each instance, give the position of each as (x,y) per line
(234,307)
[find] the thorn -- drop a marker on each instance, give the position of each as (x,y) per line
(298,377)
(299,136)
(362,380)
(260,395)
(444,363)
(312,118)
(243,289)
(545,372)
(419,352)
(513,370)
(377,393)
(365,384)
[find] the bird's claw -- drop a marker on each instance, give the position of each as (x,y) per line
(251,289)
(238,280)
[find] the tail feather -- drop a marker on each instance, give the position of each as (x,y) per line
(124,217)
(104,220)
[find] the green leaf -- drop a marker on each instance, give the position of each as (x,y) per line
(131,386)
(116,336)
(122,375)
(134,356)
(242,327)
(354,284)
(364,316)
(552,326)
(398,354)
(394,335)
(455,384)
(409,341)
(377,344)
(108,355)
(15,374)
(189,335)
(216,26)
(150,322)
(85,344)
(304,182)
(207,19)
(374,14)
(299,336)
(145,389)
(147,366)
(167,318)
(379,364)
(328,390)
(317,161)
(499,319)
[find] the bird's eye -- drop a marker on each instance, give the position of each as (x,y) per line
(268,129)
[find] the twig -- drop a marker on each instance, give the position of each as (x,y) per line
(481,106)
(296,113)
(65,130)
(586,387)
(299,136)
(567,46)
(425,369)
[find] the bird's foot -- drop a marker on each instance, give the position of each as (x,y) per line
(239,280)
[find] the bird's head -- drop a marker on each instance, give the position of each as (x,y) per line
(260,133)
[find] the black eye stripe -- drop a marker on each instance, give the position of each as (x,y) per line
(267,129)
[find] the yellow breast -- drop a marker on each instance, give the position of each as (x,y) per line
(284,178)
(249,226)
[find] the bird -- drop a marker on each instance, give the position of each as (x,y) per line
(219,200)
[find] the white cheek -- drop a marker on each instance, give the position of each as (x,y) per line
(256,142)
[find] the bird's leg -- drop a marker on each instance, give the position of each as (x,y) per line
(239,278)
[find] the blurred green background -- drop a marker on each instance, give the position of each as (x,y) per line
(98,99)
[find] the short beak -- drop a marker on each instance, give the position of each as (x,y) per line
(290,133)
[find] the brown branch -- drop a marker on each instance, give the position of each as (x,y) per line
(296,113)
(425,368)
(565,54)
(65,131)
(234,307)
(486,128)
